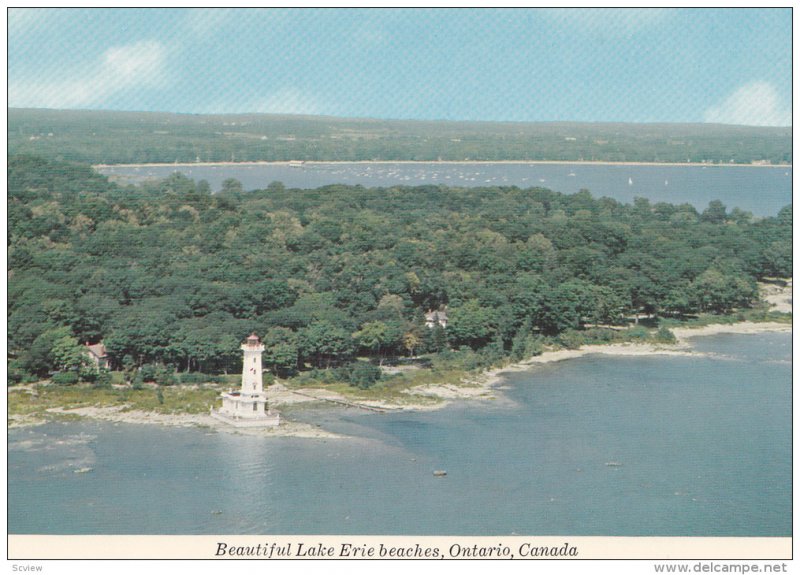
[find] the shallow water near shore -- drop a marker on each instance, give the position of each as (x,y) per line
(597,445)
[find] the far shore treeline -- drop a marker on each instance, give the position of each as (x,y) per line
(110,137)
(172,277)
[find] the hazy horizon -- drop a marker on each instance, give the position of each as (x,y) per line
(410,120)
(632,66)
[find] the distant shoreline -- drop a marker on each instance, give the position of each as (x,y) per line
(301,163)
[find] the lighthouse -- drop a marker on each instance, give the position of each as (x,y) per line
(252,381)
(248,406)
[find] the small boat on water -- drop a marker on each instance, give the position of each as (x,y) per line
(439,473)
(630,181)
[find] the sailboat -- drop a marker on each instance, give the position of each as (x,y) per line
(630,181)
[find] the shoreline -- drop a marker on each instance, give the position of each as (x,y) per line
(301,163)
(117,414)
(681,347)
(430,397)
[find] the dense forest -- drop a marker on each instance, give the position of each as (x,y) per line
(131,137)
(172,277)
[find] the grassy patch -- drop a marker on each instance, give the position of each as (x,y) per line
(758,315)
(36,401)
(176,399)
(388,388)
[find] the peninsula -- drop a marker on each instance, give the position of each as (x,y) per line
(138,298)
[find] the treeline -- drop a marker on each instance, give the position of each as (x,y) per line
(171,275)
(134,137)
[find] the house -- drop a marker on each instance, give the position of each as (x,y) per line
(97,353)
(436,317)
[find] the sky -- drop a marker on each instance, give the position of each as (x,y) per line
(729,66)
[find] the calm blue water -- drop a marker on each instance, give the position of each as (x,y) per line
(703,447)
(762,191)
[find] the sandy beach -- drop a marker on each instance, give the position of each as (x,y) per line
(483,386)
(779,297)
(745,328)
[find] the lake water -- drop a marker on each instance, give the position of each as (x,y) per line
(762,191)
(698,446)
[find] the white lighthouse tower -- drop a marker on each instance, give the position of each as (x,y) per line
(252,383)
(248,407)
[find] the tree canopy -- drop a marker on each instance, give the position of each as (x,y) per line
(169,273)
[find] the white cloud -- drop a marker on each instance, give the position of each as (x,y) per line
(140,62)
(22,19)
(288,101)
(135,66)
(754,104)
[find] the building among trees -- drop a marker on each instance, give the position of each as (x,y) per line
(98,355)
(434,318)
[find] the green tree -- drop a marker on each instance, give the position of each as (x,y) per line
(324,344)
(471,324)
(436,339)
(363,374)
(378,337)
(715,213)
(411,341)
(231,185)
(281,351)
(56,350)
(720,293)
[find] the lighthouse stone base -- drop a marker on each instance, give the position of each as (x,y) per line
(269,420)
(245,410)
